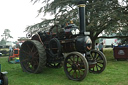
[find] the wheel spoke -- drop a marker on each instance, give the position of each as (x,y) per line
(100,62)
(28,47)
(82,70)
(98,65)
(68,62)
(71,60)
(79,72)
(94,55)
(93,69)
(70,70)
(77,59)
(69,67)
(35,65)
(36,54)
(98,57)
(74,73)
(32,48)
(25,52)
(24,60)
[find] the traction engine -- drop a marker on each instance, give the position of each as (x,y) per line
(69,47)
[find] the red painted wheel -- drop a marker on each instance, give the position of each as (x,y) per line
(75,66)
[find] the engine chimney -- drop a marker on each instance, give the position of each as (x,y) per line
(82,18)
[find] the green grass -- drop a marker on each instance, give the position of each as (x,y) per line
(116,73)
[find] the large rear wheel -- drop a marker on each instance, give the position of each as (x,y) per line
(75,66)
(32,56)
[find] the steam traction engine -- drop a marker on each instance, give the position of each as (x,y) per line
(48,48)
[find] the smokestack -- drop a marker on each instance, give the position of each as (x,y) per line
(82,18)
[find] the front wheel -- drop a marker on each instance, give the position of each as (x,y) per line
(75,66)
(100,60)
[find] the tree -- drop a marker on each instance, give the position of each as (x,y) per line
(2,42)
(101,15)
(6,35)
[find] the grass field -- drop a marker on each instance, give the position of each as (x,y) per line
(116,73)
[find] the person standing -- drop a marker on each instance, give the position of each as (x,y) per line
(101,47)
(10,50)
(96,46)
(112,45)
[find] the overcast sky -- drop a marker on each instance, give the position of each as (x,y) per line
(16,15)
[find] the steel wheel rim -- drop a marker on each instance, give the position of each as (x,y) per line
(100,60)
(30,57)
(76,68)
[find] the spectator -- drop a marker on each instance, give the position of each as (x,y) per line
(17,45)
(96,46)
(10,50)
(101,47)
(112,45)
(20,43)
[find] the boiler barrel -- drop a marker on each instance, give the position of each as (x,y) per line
(80,44)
